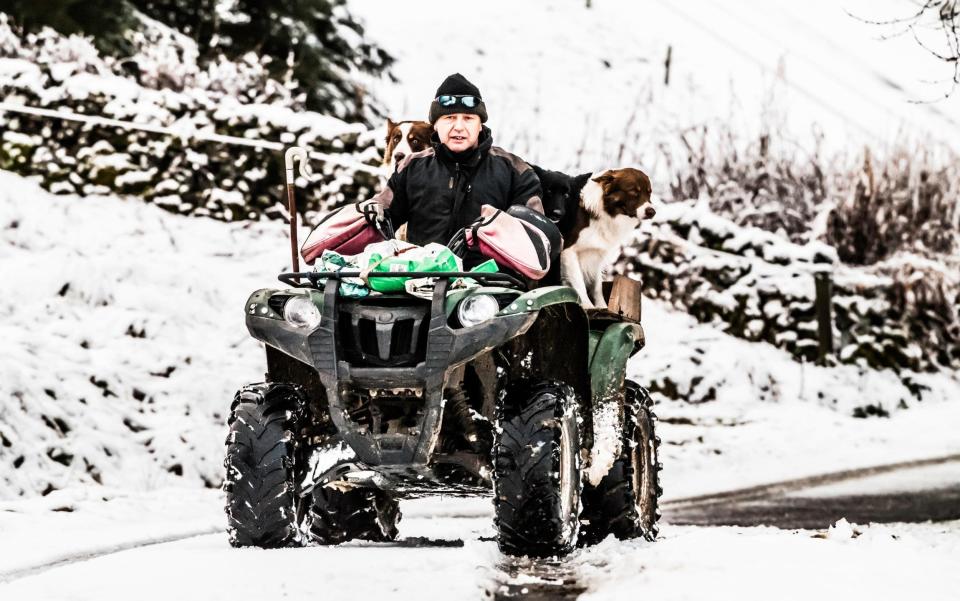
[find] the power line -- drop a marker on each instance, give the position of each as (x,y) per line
(736,48)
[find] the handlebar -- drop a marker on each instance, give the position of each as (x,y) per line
(313,278)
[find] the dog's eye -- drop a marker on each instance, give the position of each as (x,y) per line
(396,139)
(414,143)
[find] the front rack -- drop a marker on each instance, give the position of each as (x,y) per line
(314,278)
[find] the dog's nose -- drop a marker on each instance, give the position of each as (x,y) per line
(398,157)
(649,213)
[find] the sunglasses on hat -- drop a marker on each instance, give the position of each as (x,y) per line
(467,101)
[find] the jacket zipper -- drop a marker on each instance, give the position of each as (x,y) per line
(456,167)
(454,183)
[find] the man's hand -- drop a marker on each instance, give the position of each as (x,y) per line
(371,207)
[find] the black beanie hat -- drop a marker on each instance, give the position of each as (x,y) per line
(457,85)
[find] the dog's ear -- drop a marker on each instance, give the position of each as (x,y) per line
(390,126)
(604,178)
(580,181)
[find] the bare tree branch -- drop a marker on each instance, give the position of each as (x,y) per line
(932,15)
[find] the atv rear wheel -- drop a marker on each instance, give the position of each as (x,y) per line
(537,471)
(625,502)
(337,516)
(262,483)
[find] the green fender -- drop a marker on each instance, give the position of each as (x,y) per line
(609,351)
(526,302)
(539,298)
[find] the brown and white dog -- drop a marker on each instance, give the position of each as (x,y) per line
(597,214)
(405,138)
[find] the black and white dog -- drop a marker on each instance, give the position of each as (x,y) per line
(596,214)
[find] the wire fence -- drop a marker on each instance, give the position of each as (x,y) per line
(184,133)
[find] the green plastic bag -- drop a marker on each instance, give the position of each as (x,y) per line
(431,258)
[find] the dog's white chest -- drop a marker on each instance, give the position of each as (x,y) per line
(606,235)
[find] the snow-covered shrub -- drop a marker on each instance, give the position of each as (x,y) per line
(227,182)
(905,204)
(751,184)
(906,201)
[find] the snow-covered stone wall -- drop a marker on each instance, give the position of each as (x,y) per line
(902,313)
(204,178)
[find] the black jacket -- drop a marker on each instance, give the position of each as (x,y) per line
(437,192)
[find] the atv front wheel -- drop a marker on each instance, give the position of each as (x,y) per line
(537,471)
(625,502)
(337,516)
(261,483)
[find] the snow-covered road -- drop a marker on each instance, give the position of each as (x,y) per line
(104,548)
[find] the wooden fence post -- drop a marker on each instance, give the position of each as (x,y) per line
(823,306)
(666,66)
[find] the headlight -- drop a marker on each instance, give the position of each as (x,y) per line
(477,309)
(301,312)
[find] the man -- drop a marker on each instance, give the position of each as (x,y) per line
(440,190)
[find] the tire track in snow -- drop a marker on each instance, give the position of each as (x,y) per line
(529,579)
(788,486)
(95,553)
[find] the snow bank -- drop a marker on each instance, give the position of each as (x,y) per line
(748,413)
(123,339)
(883,562)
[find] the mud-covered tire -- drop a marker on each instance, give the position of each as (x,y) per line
(263,502)
(625,503)
(537,479)
(337,516)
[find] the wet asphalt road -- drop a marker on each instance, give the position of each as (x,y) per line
(794,504)
(819,513)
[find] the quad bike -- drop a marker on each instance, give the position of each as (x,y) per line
(494,389)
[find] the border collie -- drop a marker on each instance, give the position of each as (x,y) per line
(596,213)
(405,138)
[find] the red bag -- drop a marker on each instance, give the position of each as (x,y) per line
(347,230)
(510,241)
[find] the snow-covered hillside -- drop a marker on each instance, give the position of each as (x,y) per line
(122,338)
(575,88)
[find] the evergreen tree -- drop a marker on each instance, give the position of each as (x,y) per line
(104,20)
(315,46)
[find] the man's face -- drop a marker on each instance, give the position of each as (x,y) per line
(459,131)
